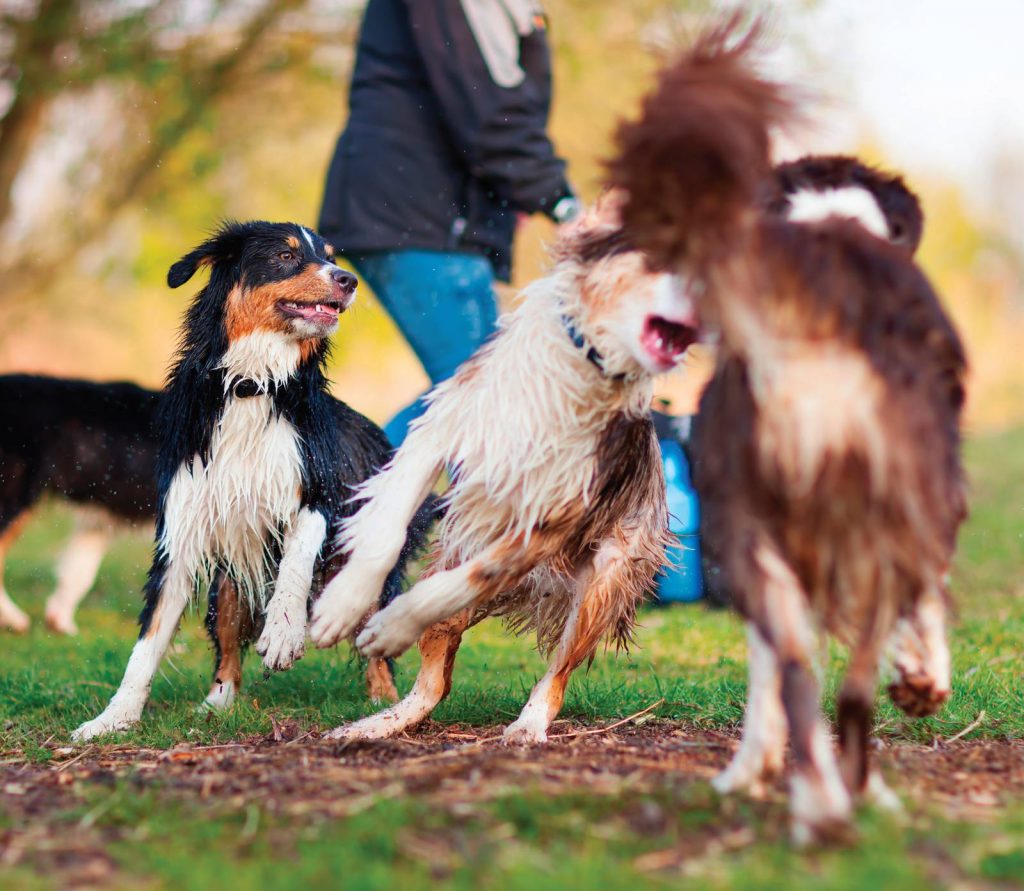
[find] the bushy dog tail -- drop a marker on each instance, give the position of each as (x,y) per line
(695,160)
(432,509)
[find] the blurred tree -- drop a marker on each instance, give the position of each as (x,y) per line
(161,63)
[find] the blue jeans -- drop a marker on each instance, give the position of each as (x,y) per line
(444,305)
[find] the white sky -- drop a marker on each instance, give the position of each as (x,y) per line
(938,84)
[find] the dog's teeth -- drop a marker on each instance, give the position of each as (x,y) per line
(319,308)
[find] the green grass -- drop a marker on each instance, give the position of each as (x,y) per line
(692,659)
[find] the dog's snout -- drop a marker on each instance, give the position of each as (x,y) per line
(346,280)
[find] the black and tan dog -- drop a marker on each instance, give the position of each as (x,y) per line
(830,474)
(257,461)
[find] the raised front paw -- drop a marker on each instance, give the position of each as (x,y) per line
(391,631)
(283,640)
(337,613)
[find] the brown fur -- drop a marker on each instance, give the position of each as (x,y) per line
(380,683)
(860,535)
(252,309)
(624,487)
(898,203)
(235,629)
(11,533)
(692,166)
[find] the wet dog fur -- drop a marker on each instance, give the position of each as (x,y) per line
(557,523)
(830,472)
(257,461)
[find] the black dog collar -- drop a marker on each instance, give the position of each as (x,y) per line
(244,388)
(593,356)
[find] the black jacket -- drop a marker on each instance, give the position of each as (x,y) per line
(436,154)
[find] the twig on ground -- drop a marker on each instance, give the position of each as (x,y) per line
(633,717)
(77,757)
(972,726)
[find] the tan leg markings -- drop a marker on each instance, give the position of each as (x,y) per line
(11,615)
(438,646)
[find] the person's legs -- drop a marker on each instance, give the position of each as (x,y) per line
(444,305)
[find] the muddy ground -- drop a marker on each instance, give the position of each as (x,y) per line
(294,775)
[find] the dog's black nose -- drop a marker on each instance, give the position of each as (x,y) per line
(347,280)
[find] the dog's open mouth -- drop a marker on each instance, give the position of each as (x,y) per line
(325,312)
(665,341)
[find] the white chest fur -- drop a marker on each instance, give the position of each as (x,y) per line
(235,509)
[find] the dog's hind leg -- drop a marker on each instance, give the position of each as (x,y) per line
(76,571)
(168,590)
(921,656)
(374,539)
(854,710)
(438,647)
(380,681)
(605,592)
(819,802)
(230,624)
(762,748)
(12,616)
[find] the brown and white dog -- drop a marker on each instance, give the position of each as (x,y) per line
(836,493)
(556,513)
(811,190)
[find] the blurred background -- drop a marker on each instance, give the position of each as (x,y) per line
(128,129)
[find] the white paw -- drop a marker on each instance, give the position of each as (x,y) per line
(878,793)
(525,732)
(391,631)
(373,727)
(340,609)
(283,639)
(15,620)
(820,810)
(220,698)
(108,722)
(742,775)
(61,623)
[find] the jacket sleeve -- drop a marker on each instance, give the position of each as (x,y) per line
(500,131)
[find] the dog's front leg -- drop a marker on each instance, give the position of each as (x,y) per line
(763,745)
(284,632)
(395,628)
(374,538)
(174,585)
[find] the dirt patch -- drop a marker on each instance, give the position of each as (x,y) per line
(299,778)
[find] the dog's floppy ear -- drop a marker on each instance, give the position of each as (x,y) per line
(224,246)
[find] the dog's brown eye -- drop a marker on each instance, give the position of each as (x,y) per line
(286,256)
